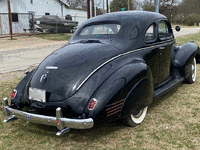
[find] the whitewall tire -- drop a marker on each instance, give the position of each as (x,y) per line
(134,119)
(192,77)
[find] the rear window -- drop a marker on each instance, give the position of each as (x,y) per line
(100,29)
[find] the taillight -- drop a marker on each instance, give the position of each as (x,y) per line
(14,93)
(92,104)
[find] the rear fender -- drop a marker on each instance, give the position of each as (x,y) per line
(116,88)
(140,96)
(183,58)
(18,100)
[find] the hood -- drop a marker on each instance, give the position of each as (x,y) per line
(65,69)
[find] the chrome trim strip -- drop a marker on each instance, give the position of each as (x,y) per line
(165,44)
(51,67)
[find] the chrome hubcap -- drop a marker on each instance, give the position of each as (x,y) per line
(138,114)
(194,70)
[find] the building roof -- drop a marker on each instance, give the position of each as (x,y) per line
(65,2)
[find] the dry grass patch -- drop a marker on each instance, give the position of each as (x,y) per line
(184,39)
(56,37)
(172,122)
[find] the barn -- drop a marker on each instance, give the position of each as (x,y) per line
(22,11)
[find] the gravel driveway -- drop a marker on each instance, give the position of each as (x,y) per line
(185,31)
(26,52)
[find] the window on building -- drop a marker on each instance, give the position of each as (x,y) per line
(47,13)
(15,17)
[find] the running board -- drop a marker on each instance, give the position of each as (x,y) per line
(166,87)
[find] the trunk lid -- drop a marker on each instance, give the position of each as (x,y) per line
(64,70)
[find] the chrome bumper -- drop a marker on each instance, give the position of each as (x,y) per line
(63,124)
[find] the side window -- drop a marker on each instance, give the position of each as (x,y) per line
(150,33)
(163,30)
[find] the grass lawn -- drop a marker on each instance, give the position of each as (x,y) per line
(184,39)
(57,37)
(172,122)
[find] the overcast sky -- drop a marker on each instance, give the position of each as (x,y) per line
(101,5)
(97,1)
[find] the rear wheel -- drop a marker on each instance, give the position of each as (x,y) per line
(192,77)
(134,119)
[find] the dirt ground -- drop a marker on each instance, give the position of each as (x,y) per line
(185,31)
(24,52)
(26,42)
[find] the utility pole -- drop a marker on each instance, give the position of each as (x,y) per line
(107,5)
(95,11)
(10,18)
(128,4)
(92,8)
(103,8)
(157,5)
(88,9)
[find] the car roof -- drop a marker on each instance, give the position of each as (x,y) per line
(126,16)
(127,19)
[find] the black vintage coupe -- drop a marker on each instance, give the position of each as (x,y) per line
(113,67)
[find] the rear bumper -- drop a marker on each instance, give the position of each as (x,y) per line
(58,121)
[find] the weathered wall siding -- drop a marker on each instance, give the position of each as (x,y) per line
(40,7)
(4,25)
(18,27)
(3,6)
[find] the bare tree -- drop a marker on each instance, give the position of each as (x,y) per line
(166,7)
(188,12)
(116,5)
(148,5)
(78,4)
(189,7)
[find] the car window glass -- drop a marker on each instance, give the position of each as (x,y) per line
(163,30)
(150,33)
(100,29)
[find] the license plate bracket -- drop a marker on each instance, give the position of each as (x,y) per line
(37,94)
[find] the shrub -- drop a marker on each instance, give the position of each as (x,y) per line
(188,20)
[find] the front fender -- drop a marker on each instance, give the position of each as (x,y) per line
(184,55)
(118,88)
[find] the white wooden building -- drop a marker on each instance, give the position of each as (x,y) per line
(39,8)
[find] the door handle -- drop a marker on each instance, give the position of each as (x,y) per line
(161,47)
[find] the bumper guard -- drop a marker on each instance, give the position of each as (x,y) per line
(63,124)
